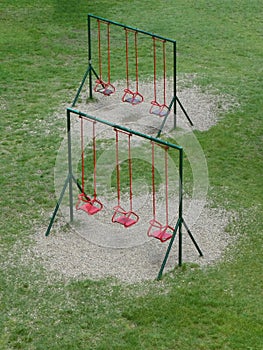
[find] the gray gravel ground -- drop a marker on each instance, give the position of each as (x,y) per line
(95,248)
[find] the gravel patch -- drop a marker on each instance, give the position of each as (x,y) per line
(203,108)
(94,247)
(75,254)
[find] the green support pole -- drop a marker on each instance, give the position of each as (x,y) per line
(180,238)
(90,58)
(168,250)
(175,85)
(184,111)
(178,225)
(165,118)
(81,86)
(69,182)
(57,206)
(192,238)
(70,176)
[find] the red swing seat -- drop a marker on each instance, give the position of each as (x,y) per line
(158,231)
(125,218)
(91,205)
(162,110)
(131,97)
(104,88)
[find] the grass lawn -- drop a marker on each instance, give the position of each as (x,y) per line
(43,58)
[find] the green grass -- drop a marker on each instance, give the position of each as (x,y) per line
(43,58)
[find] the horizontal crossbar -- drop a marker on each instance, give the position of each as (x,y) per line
(119,127)
(131,28)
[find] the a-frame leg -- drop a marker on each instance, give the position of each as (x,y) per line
(57,206)
(88,72)
(174,100)
(168,249)
(192,238)
(184,111)
(178,226)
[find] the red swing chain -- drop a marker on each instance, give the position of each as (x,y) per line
(99,48)
(108,42)
(166,187)
(130,168)
(156,107)
(121,216)
(136,60)
(127,59)
(82,156)
(105,88)
(133,97)
(91,205)
(94,160)
(156,229)
(164,74)
(117,167)
(154,70)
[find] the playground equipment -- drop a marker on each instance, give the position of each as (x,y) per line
(126,218)
(160,109)
(106,88)
(131,96)
(91,205)
(159,106)
(156,229)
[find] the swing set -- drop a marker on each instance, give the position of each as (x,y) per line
(91,205)
(159,106)
(105,88)
(133,97)
(163,232)
(122,216)
(160,109)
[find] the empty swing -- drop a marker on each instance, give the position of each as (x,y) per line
(160,109)
(132,97)
(105,88)
(91,205)
(121,216)
(156,229)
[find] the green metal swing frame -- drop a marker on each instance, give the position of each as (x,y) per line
(91,71)
(70,180)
